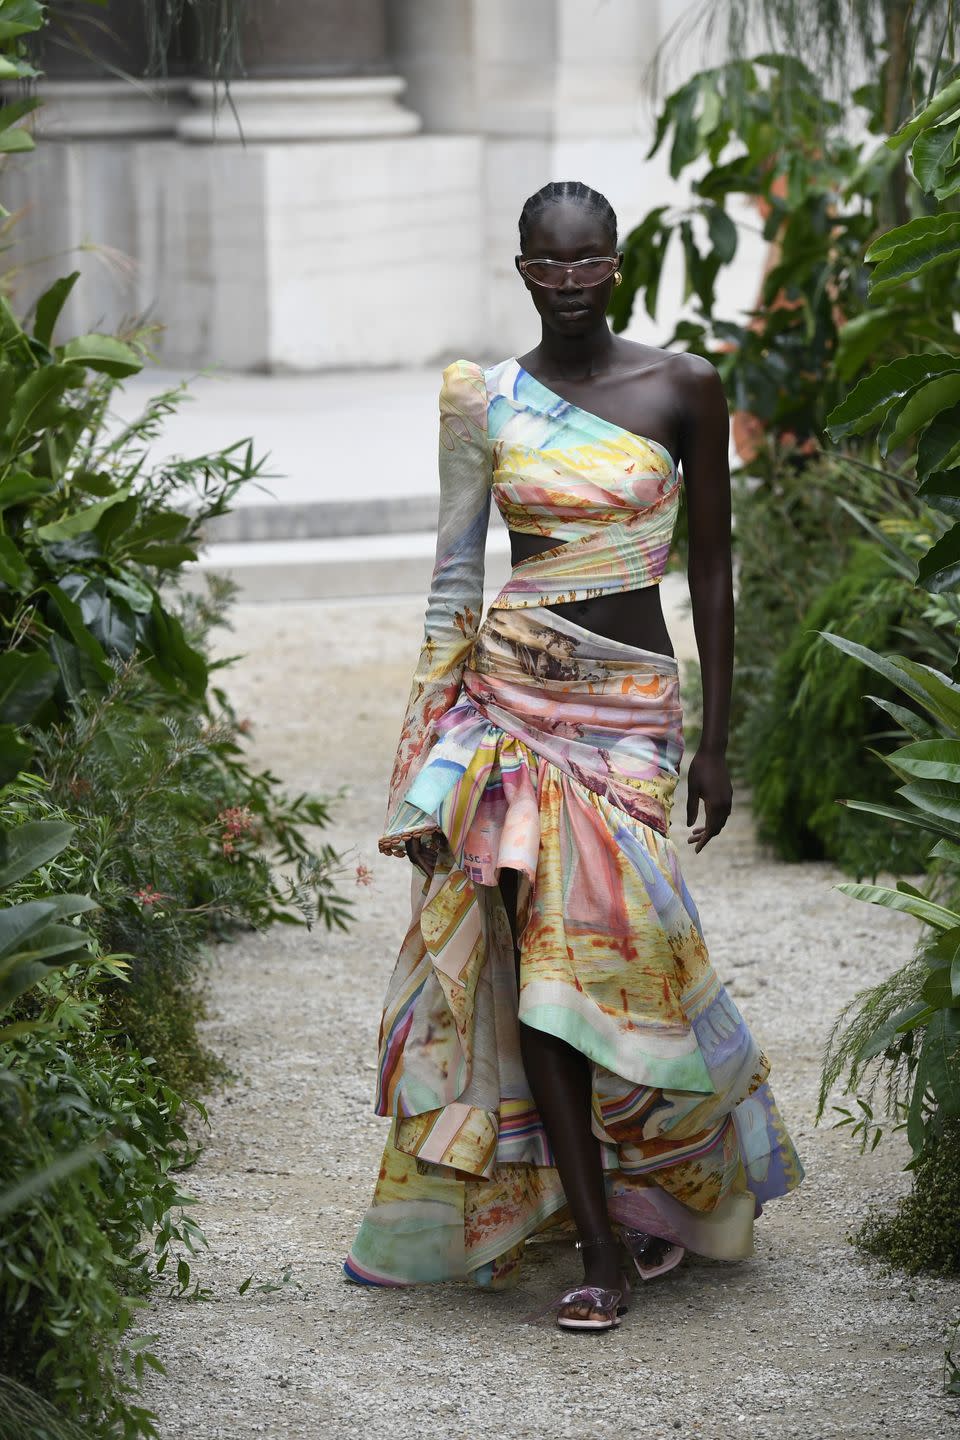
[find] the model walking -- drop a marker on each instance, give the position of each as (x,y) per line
(555,1042)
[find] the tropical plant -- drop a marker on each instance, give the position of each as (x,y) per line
(917,398)
(908,1028)
(762,131)
(41,932)
(765,132)
(898,43)
(795,777)
(88,530)
(90,1140)
(133,831)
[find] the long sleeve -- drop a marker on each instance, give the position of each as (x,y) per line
(456,590)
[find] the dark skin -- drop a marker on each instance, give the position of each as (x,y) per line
(677,400)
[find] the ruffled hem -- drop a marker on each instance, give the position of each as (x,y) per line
(612,960)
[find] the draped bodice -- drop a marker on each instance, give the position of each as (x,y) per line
(608,497)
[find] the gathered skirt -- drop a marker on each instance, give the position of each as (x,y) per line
(559,760)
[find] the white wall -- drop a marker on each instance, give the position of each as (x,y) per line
(387,250)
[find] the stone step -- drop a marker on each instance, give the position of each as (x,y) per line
(324,569)
(324,519)
(370,566)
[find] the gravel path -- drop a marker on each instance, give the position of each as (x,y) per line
(804,1340)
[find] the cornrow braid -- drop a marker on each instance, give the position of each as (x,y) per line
(579,194)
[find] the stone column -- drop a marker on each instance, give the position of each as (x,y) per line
(311,225)
(310,72)
(87,192)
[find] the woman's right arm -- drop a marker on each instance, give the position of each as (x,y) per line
(456,592)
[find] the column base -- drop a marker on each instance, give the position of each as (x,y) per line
(108,109)
(362,107)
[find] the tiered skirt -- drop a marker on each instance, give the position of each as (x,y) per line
(560,759)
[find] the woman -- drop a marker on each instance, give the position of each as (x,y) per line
(555,1044)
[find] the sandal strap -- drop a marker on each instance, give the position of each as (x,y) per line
(594,1297)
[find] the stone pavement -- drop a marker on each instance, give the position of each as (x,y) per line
(805,1341)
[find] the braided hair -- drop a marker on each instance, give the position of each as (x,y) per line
(574,191)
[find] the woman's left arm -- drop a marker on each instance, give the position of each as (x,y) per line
(704,455)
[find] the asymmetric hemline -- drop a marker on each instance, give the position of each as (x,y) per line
(559,760)
(533,743)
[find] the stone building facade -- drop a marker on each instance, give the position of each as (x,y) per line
(355,204)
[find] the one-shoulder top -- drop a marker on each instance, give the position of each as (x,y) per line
(608,497)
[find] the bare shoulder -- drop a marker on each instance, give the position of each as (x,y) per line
(694,375)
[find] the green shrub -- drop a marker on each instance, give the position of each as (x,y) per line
(90,1142)
(112,729)
(27,1417)
(924,1232)
(76,1258)
(803,743)
(906,1030)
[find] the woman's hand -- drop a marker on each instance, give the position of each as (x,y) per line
(708,780)
(422,851)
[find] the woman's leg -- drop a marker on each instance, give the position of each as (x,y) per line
(559,1079)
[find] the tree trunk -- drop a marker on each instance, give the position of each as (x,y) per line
(896,17)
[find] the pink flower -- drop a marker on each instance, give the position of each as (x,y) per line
(149,896)
(364,875)
(236,820)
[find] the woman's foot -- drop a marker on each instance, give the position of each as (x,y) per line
(651,1254)
(605,1293)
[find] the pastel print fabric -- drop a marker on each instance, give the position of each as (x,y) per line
(532,743)
(456,590)
(554,470)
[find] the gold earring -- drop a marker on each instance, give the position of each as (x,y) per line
(617,277)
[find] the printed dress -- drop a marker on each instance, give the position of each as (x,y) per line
(530,742)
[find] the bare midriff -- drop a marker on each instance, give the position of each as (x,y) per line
(632,617)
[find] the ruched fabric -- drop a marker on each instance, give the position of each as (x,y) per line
(610,498)
(559,759)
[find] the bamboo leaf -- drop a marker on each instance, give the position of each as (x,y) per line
(103,353)
(935,797)
(924,910)
(908,720)
(49,306)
